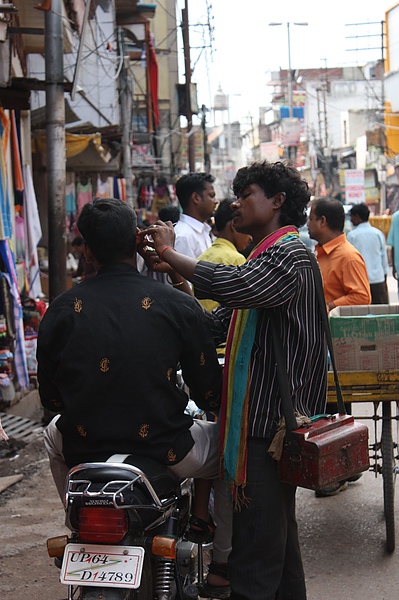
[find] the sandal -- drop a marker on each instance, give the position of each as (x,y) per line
(200,531)
(216,591)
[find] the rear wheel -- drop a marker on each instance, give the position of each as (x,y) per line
(146,590)
(388,474)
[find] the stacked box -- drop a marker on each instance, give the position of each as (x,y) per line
(365,338)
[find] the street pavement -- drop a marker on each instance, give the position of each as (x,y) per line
(342,537)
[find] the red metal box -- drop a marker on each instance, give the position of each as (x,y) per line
(329,450)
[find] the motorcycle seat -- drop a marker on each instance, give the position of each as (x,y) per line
(164,482)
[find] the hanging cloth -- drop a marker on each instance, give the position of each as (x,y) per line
(19,349)
(33,232)
(20,238)
(70,202)
(16,156)
(122,189)
(84,194)
(116,188)
(5,209)
(104,188)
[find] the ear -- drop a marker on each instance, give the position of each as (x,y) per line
(87,253)
(196,198)
(279,199)
(323,221)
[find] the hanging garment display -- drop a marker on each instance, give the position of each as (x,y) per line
(5,209)
(33,233)
(84,194)
(19,345)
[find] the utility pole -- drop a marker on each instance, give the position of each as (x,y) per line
(382,159)
(207,160)
(187,63)
(55,149)
(125,100)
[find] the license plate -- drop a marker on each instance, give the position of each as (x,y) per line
(107,566)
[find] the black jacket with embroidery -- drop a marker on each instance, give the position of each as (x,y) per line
(108,351)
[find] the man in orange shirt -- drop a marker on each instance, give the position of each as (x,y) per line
(343,269)
(344,275)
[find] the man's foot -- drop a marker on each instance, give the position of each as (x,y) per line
(332,490)
(217,584)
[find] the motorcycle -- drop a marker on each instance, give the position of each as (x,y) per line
(128,517)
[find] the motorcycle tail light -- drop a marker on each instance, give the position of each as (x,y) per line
(103,525)
(164,546)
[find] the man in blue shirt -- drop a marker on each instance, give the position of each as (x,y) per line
(370,242)
(393,241)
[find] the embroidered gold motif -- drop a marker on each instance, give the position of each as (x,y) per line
(104,365)
(77,305)
(202,359)
(144,429)
(146,303)
(169,374)
(81,430)
(171,455)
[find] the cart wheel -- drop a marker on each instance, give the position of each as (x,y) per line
(388,476)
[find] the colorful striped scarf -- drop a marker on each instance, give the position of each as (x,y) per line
(233,419)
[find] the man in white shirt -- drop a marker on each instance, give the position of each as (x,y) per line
(197,198)
(370,242)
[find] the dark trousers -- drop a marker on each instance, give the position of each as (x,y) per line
(379,293)
(265,562)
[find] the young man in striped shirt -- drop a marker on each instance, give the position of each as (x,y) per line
(277,282)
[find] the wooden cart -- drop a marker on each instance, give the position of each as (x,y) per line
(382,389)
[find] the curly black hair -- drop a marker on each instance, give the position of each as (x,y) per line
(273,178)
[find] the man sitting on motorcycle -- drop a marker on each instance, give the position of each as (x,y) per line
(108,352)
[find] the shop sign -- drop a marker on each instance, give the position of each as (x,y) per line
(354,186)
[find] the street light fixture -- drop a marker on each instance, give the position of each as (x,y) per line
(303,24)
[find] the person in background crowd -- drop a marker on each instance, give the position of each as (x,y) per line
(229,243)
(344,274)
(71,262)
(161,195)
(103,365)
(85,269)
(370,242)
(393,241)
(277,282)
(169,213)
(225,249)
(342,266)
(197,198)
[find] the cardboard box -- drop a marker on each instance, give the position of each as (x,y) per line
(365,338)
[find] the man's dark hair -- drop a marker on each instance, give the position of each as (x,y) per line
(332,210)
(108,227)
(190,183)
(169,213)
(361,210)
(223,214)
(273,178)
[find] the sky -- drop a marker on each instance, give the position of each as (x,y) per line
(245,49)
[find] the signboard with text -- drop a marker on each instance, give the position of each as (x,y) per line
(354,186)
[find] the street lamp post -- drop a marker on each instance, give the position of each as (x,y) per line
(291,149)
(302,24)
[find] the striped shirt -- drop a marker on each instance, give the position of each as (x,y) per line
(280,284)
